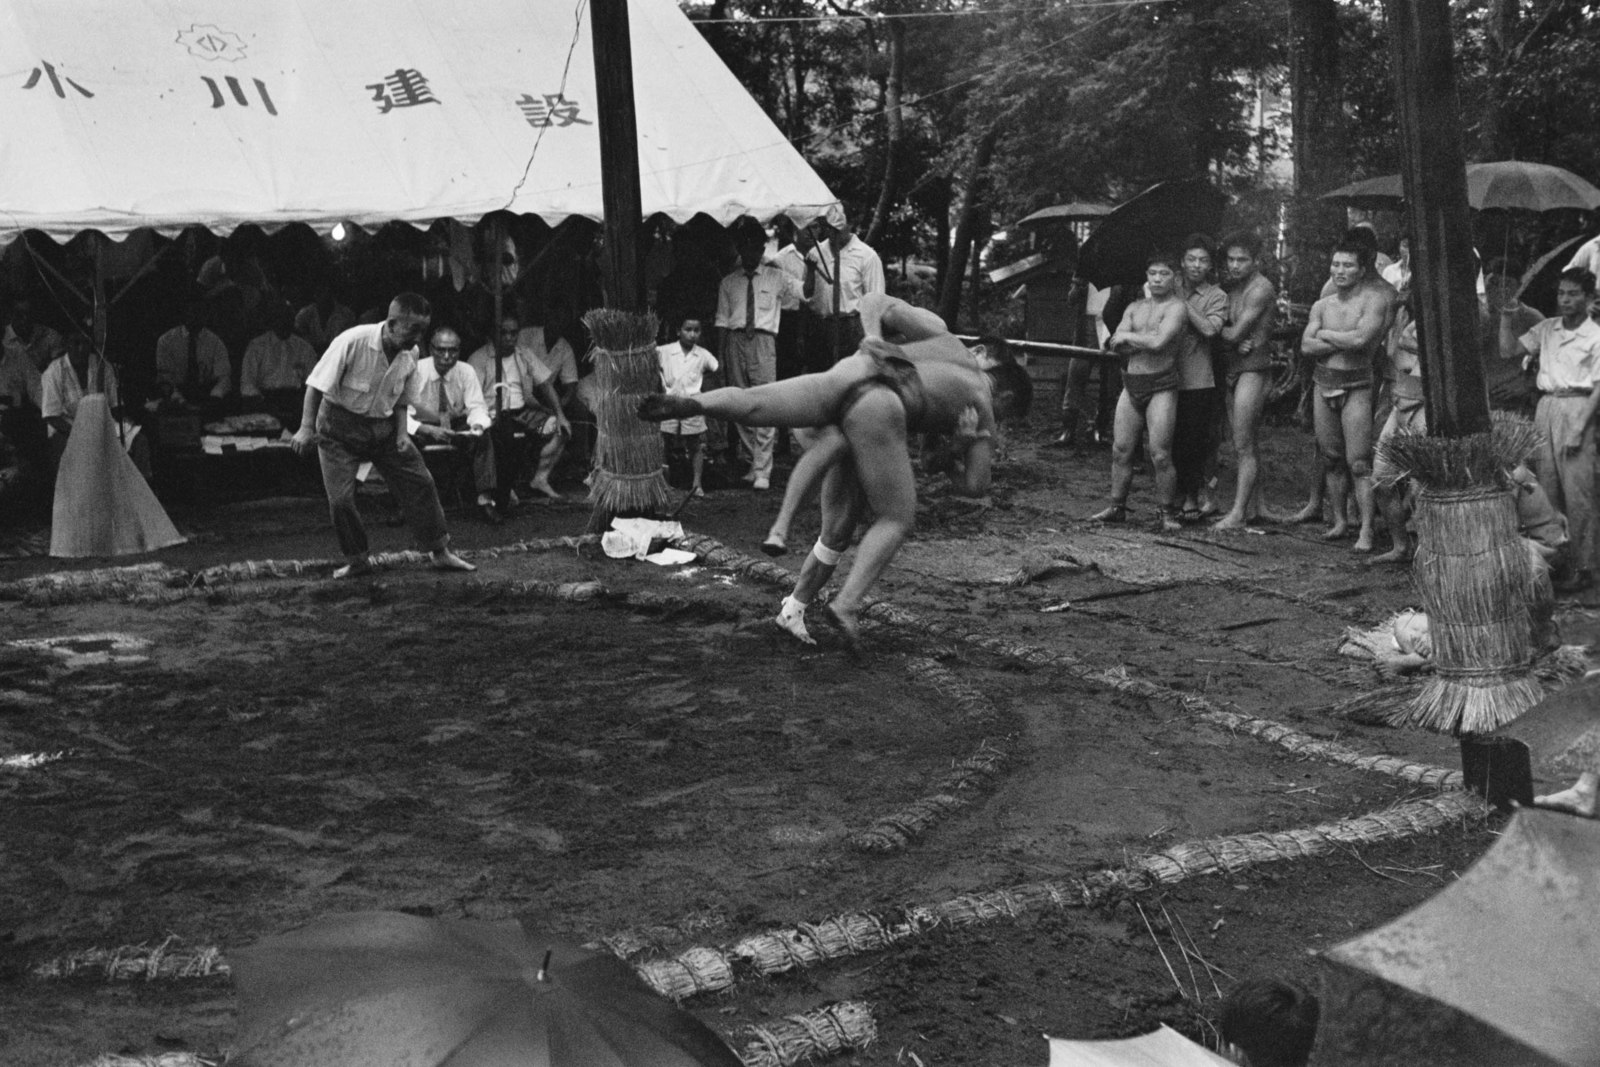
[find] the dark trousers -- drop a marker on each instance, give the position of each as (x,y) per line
(513,441)
(831,339)
(346,440)
(1193,436)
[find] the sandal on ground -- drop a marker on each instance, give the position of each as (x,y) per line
(1115,513)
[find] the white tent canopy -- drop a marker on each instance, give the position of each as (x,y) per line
(122,114)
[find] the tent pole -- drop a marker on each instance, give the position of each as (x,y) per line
(619,154)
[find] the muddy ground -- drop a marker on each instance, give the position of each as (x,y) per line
(659,762)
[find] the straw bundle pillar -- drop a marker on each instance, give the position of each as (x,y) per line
(1476,582)
(628,479)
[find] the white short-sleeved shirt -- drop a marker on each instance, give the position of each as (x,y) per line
(272,363)
(355,373)
(1568,359)
(211,359)
(521,373)
(463,395)
(558,358)
(771,286)
(63,390)
(682,374)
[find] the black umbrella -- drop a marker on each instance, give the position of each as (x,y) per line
(1539,282)
(384,989)
(1160,217)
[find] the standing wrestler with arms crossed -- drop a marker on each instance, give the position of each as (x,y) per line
(878,397)
(1150,335)
(1343,335)
(1246,337)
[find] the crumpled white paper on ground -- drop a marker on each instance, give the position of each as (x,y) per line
(630,538)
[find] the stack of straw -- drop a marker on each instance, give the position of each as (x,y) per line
(628,477)
(1474,577)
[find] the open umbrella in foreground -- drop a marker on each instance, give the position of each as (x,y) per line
(1160,217)
(385,989)
(1499,967)
(1159,1048)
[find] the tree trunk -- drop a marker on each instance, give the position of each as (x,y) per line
(797,114)
(1500,29)
(961,245)
(892,130)
(1320,141)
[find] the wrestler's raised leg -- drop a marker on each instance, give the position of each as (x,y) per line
(1356,427)
(876,430)
(1127,430)
(1249,400)
(808,400)
(1162,419)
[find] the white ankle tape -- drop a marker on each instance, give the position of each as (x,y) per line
(826,555)
(792,606)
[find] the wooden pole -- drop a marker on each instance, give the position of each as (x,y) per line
(1444,269)
(619,154)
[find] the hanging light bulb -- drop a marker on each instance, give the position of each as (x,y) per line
(338,231)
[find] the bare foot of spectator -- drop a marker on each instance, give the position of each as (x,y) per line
(446,560)
(1581,797)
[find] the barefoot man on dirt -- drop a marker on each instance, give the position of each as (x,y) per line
(878,397)
(1149,337)
(1343,334)
(1246,337)
(356,398)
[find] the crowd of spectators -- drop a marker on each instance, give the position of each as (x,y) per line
(1191,349)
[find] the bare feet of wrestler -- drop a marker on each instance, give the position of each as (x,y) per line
(1581,798)
(849,624)
(1309,513)
(1115,513)
(1363,542)
(791,618)
(775,545)
(1233,520)
(660,408)
(1337,532)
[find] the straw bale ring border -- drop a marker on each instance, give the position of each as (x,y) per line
(776,951)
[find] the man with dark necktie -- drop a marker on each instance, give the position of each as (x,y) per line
(192,365)
(749,305)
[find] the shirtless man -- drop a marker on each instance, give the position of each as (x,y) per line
(1362,238)
(1252,305)
(1342,336)
(926,383)
(1408,414)
(1149,336)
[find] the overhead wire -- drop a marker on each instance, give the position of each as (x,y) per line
(758,20)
